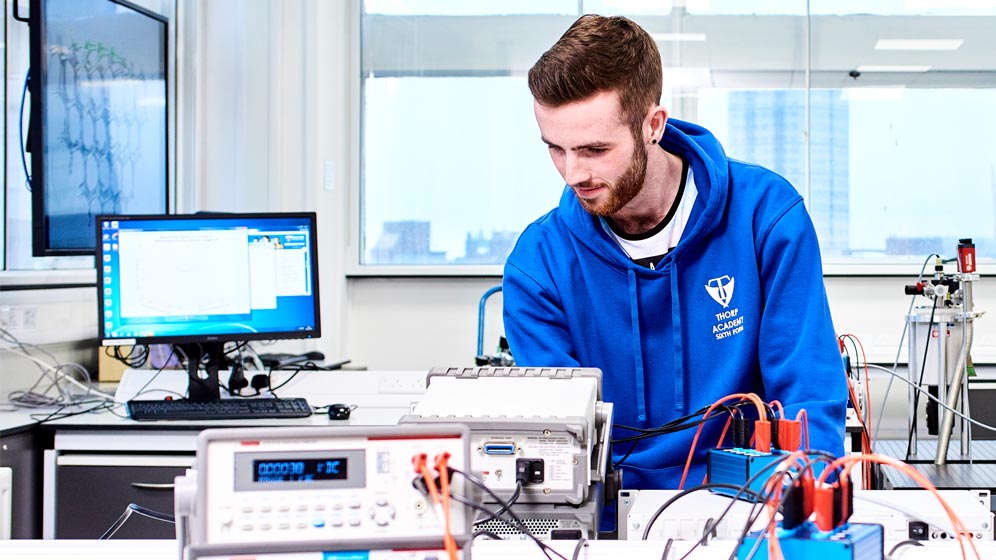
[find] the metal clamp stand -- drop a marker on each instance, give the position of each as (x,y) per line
(940,342)
(958,388)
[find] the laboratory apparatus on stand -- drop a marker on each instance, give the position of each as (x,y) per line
(940,342)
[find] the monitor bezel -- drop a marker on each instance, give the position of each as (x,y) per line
(41,242)
(313,333)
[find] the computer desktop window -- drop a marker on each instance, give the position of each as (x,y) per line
(189,277)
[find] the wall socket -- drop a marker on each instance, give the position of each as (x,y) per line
(50,316)
(19,318)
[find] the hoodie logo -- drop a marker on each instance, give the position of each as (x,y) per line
(721,289)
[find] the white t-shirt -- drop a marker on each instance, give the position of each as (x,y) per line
(649,248)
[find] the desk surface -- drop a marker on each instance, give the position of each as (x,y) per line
(14,421)
(380,398)
(482,550)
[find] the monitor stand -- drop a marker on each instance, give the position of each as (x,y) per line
(212,353)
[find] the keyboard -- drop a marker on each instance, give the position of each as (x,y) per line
(224,409)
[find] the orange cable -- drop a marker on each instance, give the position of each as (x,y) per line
(691,452)
(864,360)
(719,444)
(804,422)
(865,439)
(442,461)
(430,482)
(848,462)
(774,487)
(867,409)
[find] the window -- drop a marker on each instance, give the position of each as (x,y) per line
(889,141)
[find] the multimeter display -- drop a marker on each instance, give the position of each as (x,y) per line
(297,470)
(300,470)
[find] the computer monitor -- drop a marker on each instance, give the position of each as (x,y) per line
(201,280)
(98,133)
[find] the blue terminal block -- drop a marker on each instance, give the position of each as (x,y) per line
(739,465)
(854,541)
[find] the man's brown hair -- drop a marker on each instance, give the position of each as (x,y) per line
(600,54)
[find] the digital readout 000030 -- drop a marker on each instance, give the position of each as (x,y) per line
(300,470)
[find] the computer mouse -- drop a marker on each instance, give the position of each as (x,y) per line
(314,356)
(339,411)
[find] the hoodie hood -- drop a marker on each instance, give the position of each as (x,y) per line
(710,170)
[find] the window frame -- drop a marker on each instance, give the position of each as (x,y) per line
(904,265)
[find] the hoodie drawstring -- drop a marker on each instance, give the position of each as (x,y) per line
(634,317)
(679,368)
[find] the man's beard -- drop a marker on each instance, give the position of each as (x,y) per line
(625,189)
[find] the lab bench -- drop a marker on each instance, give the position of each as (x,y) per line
(74,476)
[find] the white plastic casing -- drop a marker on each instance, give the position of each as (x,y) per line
(359,484)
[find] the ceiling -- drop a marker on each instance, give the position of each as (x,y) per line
(739,51)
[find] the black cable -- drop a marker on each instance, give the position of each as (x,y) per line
(755,512)
(857,355)
(306,366)
(297,370)
(172,352)
(661,430)
(916,394)
(582,542)
(757,544)
(419,485)
(483,533)
(752,517)
(136,357)
(20,129)
(902,544)
(676,425)
(667,549)
(520,526)
(670,425)
(58,413)
(504,505)
(709,530)
(679,495)
(515,522)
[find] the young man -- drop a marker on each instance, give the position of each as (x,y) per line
(685,276)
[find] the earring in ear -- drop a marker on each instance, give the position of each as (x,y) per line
(654,141)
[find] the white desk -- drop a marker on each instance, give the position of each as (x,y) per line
(14,421)
(482,550)
(121,453)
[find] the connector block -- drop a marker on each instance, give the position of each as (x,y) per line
(855,541)
(766,436)
(833,505)
(738,466)
(789,435)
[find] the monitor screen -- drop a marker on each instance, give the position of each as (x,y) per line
(206,278)
(98,131)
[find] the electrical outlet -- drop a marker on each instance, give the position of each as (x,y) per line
(19,318)
(49,316)
(402,383)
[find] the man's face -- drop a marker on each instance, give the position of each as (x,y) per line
(594,151)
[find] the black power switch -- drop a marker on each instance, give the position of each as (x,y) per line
(530,471)
(919,531)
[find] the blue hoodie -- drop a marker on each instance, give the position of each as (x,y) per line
(738,306)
